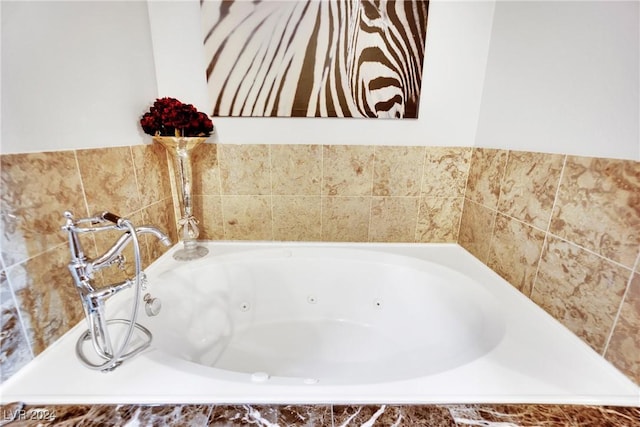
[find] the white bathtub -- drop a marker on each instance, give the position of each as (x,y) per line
(334,323)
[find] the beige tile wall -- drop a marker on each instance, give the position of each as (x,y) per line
(565,231)
(330,192)
(39,302)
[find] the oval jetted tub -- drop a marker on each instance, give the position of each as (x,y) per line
(336,315)
(333,323)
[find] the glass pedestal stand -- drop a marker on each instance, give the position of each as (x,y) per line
(180,149)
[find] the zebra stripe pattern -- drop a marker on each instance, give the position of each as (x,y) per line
(315,58)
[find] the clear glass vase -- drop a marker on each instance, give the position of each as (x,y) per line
(180,148)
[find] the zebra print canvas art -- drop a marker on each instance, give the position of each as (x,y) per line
(314,58)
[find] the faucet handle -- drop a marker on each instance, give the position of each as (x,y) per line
(68,222)
(111,217)
(152,305)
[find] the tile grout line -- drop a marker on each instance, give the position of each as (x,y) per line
(82,188)
(624,297)
(373,173)
(332,415)
(273,236)
(209,414)
(135,177)
(496,210)
(420,194)
(464,195)
(92,238)
(141,205)
(546,232)
(219,156)
(23,326)
(321,187)
(590,251)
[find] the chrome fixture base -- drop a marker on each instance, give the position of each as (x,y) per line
(94,299)
(87,336)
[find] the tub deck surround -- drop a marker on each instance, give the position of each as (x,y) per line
(534,359)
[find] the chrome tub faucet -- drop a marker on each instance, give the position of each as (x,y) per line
(82,269)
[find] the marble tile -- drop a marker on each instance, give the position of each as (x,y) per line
(510,415)
(296,169)
(116,415)
(529,186)
(47,298)
(439,219)
(392,415)
(164,415)
(16,414)
(247,217)
(35,189)
(393,219)
(206,170)
(426,415)
(10,412)
(152,173)
(598,207)
(580,289)
(515,252)
(624,347)
(347,170)
(58,415)
(446,170)
(545,415)
(476,227)
(297,218)
(345,219)
(398,171)
(240,415)
(271,415)
(108,180)
(304,415)
(370,415)
(244,169)
(599,416)
(14,346)
(485,176)
(208,211)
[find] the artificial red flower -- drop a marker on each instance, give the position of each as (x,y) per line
(170,117)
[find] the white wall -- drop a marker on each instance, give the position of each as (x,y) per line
(457,47)
(560,77)
(563,77)
(74,74)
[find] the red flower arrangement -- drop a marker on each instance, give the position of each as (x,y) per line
(170,117)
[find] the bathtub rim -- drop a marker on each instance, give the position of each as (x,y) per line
(33,372)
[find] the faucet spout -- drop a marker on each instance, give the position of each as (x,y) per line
(147,229)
